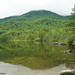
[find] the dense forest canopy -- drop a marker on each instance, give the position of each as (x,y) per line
(41,25)
(7,18)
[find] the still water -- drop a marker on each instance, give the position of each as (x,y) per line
(10,69)
(34,58)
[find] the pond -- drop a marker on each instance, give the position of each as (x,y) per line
(35,58)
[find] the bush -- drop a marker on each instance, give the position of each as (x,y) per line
(70,41)
(73,44)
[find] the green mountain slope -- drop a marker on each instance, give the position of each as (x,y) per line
(34,15)
(44,14)
(33,25)
(7,18)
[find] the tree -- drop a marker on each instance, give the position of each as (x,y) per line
(71,24)
(72,18)
(73,12)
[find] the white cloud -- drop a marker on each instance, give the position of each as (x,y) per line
(18,7)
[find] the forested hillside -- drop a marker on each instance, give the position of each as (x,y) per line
(7,18)
(39,25)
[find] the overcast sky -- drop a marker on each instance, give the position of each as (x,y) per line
(19,7)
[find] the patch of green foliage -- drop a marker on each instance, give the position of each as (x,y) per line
(71,27)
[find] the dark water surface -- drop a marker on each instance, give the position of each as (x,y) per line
(34,58)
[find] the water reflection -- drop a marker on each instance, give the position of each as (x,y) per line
(10,69)
(36,55)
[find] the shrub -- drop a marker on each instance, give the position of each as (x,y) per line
(70,41)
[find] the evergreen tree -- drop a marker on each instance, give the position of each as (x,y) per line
(72,18)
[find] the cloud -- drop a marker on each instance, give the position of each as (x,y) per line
(18,7)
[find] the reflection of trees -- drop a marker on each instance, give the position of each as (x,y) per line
(70,65)
(71,59)
(33,55)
